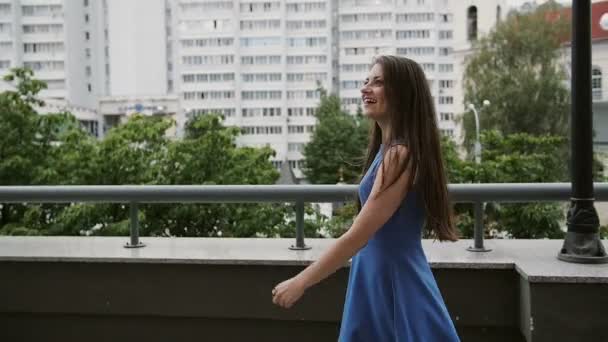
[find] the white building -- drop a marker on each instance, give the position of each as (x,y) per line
(422,30)
(51,37)
(257,63)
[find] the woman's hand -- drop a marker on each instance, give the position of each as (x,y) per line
(288,292)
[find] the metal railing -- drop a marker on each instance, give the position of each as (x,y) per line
(298,194)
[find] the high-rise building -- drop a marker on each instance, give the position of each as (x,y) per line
(422,30)
(51,38)
(259,64)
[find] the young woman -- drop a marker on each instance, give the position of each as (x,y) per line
(392,294)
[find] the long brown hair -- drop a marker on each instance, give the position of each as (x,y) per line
(413,121)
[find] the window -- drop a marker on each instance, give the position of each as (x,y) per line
(447,133)
(413,34)
(351,84)
(259,112)
(415,17)
(259,130)
(208,95)
(307,77)
(445,34)
(416,51)
(446,100)
(366,34)
(472,23)
(259,7)
(303,94)
(87,35)
(260,41)
(446,116)
(446,67)
(261,95)
(443,84)
(596,83)
(86,3)
(307,42)
(295,147)
(300,25)
(225,112)
(89,87)
(256,60)
(295,129)
(445,51)
(305,7)
(307,60)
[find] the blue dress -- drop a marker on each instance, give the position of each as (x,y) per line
(392,294)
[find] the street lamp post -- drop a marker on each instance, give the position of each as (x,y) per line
(478,206)
(582,243)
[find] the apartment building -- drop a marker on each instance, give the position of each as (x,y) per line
(422,30)
(51,38)
(258,63)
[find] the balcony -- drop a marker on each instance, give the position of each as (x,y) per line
(179,289)
(219,289)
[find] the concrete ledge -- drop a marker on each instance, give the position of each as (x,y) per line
(216,287)
(535,260)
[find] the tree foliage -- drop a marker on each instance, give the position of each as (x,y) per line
(336,146)
(517,68)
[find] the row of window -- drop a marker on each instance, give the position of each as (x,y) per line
(45,65)
(206,78)
(208,60)
(346,101)
(254,112)
(401,35)
(261,60)
(209,42)
(369,34)
(225,112)
(43,28)
(264,130)
(252,95)
(295,25)
(291,42)
(51,48)
(260,112)
(42,10)
(295,164)
(446,116)
(304,7)
(203,7)
(366,17)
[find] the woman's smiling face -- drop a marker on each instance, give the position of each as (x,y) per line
(372,94)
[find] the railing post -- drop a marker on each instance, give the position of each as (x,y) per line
(134,227)
(479,229)
(300,245)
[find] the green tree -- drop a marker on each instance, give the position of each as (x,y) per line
(517,68)
(337,145)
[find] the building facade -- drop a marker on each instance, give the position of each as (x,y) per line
(422,30)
